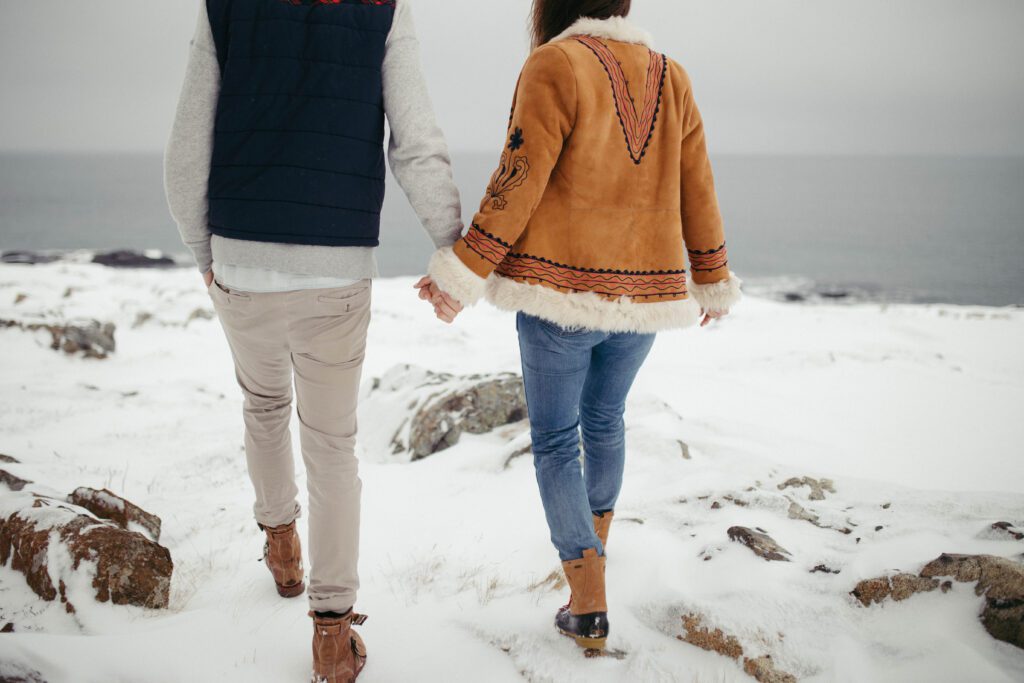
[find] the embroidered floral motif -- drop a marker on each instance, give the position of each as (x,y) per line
(607,282)
(638,127)
(511,174)
(516,141)
(708,261)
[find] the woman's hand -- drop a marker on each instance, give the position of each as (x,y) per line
(208,278)
(445,307)
(712,315)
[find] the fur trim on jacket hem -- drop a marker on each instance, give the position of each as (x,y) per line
(586,310)
(454,278)
(718,296)
(613,28)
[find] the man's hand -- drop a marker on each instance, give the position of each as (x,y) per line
(445,307)
(712,315)
(208,278)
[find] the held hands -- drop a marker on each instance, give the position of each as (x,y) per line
(445,308)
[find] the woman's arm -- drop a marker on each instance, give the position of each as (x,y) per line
(713,286)
(543,116)
(190,149)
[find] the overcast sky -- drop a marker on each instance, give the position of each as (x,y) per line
(772,76)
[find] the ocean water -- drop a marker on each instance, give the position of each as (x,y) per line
(887,228)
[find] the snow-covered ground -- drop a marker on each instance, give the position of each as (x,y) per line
(913,411)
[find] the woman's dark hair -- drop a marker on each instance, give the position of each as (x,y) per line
(551,17)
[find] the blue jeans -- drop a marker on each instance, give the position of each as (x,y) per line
(574,379)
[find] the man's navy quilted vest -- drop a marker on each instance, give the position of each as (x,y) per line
(298,153)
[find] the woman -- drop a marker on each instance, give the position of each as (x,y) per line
(604,188)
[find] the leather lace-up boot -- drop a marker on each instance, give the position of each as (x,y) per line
(339,653)
(282,554)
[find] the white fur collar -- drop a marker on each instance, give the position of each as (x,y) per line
(613,28)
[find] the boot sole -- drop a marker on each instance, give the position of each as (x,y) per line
(291,591)
(587,643)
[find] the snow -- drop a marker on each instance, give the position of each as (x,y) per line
(916,407)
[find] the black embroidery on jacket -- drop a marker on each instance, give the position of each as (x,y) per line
(511,174)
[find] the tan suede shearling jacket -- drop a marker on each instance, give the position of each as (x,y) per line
(603,194)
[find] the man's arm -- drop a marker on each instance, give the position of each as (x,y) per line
(189,151)
(417,151)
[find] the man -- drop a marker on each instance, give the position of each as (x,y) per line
(275,176)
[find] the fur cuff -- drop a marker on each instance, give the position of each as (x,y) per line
(718,296)
(612,28)
(588,311)
(454,278)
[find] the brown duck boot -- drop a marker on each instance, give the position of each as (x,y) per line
(603,525)
(282,554)
(339,654)
(585,618)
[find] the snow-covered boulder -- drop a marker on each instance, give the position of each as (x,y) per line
(122,512)
(763,545)
(761,668)
(1002,531)
(999,580)
(94,339)
(416,412)
(65,552)
(13,482)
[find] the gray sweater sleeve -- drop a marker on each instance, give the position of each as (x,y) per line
(189,151)
(417,151)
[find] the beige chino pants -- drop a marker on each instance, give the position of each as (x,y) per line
(317,337)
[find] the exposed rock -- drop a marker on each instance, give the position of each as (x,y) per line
(762,544)
(706,639)
(126,567)
(898,587)
(124,258)
(124,513)
(7,628)
(763,669)
(817,486)
(1002,531)
(20,298)
(7,458)
(999,580)
(685,449)
(760,668)
(91,337)
(12,482)
(28,258)
(824,569)
(426,412)
(797,511)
